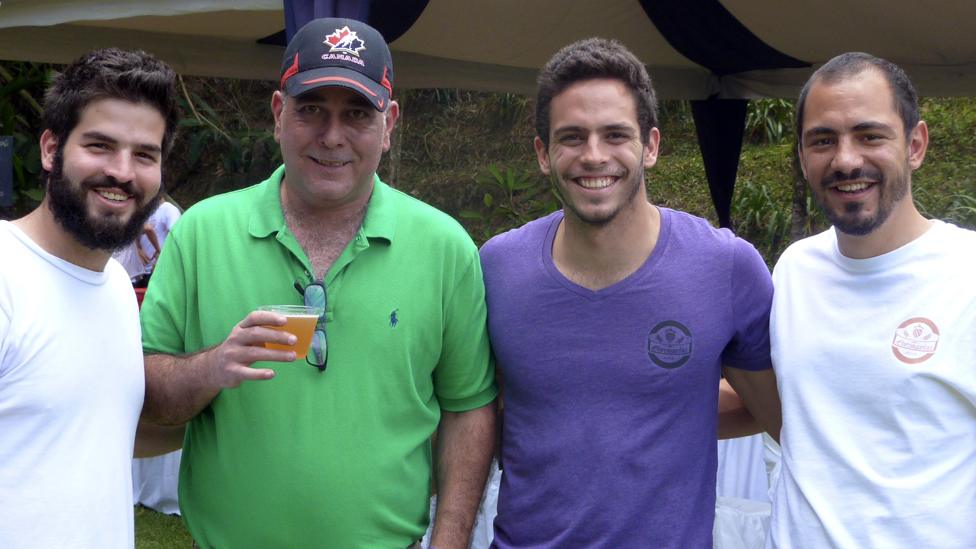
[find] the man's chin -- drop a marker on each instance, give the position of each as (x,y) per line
(855,225)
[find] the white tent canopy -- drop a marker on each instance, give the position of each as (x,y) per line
(716,53)
(500,44)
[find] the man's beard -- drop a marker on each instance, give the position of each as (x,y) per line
(849,221)
(635,182)
(68,202)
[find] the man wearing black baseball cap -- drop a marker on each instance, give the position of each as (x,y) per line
(332,450)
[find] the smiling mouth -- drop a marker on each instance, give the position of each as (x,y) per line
(595,182)
(328,163)
(115,195)
(853,187)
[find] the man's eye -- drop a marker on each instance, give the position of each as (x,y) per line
(571,139)
(358,114)
(308,109)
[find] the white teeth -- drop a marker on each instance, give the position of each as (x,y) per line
(112,195)
(329,163)
(594,182)
(853,187)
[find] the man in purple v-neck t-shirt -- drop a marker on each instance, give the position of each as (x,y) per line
(611,322)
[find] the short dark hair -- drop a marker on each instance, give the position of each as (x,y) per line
(134,76)
(595,58)
(847,65)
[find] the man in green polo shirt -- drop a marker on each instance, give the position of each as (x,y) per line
(332,451)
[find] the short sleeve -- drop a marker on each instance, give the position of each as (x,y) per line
(752,298)
(163,314)
(464,378)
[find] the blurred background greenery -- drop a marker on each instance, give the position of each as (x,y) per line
(471,155)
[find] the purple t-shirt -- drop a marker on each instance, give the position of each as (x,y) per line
(609,435)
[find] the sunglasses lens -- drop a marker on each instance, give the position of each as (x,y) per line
(315,296)
(318,352)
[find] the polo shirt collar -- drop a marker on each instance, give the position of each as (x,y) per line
(268,218)
(380,219)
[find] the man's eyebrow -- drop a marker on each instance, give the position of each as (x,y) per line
(819,130)
(620,126)
(568,129)
(872,125)
(99,136)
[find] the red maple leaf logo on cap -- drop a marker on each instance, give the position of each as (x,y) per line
(345,40)
(337,36)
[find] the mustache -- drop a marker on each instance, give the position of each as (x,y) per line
(110,182)
(870,174)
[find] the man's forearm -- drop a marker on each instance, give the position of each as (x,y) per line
(156,440)
(734,419)
(177,388)
(759,393)
(465,445)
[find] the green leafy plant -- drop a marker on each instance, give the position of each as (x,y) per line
(962,211)
(769,120)
(761,219)
(20,116)
(512,199)
(217,139)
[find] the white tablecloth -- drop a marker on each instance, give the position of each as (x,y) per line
(155,480)
(742,469)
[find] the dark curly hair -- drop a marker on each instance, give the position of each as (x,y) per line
(595,58)
(134,76)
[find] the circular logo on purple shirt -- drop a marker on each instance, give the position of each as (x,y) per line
(669,344)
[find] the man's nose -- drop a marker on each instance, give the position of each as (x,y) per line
(330,133)
(848,156)
(594,152)
(121,167)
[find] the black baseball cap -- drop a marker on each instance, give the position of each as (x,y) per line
(339,52)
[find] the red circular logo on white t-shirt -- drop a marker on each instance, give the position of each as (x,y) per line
(915,340)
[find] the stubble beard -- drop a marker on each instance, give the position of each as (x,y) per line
(635,180)
(67,201)
(850,221)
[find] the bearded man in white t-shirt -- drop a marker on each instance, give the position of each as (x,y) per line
(71,369)
(873,333)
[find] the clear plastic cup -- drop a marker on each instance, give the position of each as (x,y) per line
(301,323)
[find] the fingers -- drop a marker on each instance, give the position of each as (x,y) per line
(233,359)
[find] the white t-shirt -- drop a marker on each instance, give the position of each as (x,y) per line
(71,390)
(876,364)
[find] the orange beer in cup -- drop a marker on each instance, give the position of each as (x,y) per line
(300,323)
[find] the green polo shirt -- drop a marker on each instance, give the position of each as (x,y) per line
(333,459)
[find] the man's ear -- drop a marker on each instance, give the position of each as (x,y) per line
(277,106)
(918,143)
(652,147)
(390,117)
(49,149)
(542,152)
